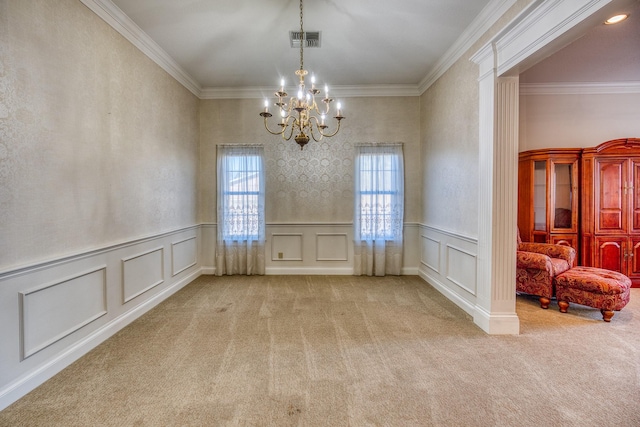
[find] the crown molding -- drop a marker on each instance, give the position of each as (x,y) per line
(581,88)
(336,91)
(483,22)
(120,22)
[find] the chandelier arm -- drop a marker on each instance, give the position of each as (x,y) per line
(266,126)
(313,135)
(329,135)
(287,138)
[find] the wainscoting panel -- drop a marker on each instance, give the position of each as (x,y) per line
(461,268)
(448,261)
(431,253)
(53,311)
(306,248)
(325,248)
(286,246)
(184,254)
(332,247)
(142,272)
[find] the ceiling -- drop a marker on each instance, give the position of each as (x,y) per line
(245,43)
(605,53)
(225,46)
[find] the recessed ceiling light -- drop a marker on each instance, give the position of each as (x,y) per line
(616,19)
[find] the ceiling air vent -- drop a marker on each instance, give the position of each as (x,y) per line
(309,38)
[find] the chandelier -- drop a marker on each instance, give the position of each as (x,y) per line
(301,114)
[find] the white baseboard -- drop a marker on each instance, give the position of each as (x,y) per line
(410,271)
(456,299)
(208,270)
(310,271)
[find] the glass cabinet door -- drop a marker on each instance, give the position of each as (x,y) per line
(563,200)
(540,195)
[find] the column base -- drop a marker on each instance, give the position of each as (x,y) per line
(497,324)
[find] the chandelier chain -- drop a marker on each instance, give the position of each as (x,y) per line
(302,38)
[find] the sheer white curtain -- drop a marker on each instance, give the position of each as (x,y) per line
(241,230)
(379,209)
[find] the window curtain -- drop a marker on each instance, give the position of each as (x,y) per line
(379,209)
(241,199)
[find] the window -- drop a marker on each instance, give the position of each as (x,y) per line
(241,192)
(379,192)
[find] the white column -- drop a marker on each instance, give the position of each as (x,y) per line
(497,200)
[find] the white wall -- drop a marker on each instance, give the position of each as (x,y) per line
(98,145)
(577,120)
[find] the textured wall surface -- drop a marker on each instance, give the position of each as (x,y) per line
(577,121)
(314,184)
(98,145)
(449,138)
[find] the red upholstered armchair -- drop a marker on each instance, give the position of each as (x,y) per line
(536,266)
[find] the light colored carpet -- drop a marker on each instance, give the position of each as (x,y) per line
(345,351)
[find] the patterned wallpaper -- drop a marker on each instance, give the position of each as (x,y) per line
(317,181)
(98,145)
(314,184)
(450,134)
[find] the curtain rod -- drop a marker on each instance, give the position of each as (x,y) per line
(239,145)
(374,144)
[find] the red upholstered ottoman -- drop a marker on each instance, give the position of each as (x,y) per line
(595,287)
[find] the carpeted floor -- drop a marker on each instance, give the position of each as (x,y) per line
(345,351)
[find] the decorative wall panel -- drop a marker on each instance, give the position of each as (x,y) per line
(184,254)
(142,272)
(53,311)
(286,247)
(448,263)
(331,247)
(461,268)
(431,253)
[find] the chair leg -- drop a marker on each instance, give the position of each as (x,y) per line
(564,306)
(607,315)
(544,302)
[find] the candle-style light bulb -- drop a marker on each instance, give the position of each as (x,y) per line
(326,91)
(322,117)
(313,81)
(282,114)
(300,94)
(266,105)
(339,107)
(281,85)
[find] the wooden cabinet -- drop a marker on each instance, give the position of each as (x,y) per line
(548,196)
(610,207)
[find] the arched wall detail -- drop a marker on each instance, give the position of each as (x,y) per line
(541,29)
